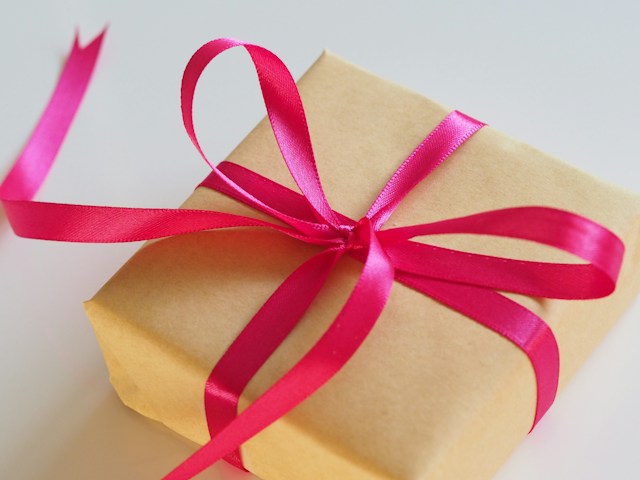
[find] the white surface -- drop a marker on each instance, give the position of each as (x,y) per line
(563,76)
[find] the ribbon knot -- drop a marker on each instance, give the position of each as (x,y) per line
(355,235)
(468,283)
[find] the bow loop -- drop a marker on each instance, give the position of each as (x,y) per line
(285,112)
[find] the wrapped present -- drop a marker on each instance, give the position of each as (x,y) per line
(430,393)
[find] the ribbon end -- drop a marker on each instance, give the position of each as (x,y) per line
(94,44)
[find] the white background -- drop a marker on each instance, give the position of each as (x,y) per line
(561,75)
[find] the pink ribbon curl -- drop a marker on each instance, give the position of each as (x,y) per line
(466,282)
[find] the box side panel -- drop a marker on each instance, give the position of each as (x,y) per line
(159,383)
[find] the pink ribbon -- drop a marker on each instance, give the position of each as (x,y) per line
(469,283)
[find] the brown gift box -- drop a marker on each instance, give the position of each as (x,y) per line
(431,394)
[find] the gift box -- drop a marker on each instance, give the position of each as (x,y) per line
(430,394)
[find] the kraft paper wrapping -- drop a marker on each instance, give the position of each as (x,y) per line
(431,394)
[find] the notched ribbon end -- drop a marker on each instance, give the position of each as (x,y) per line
(94,44)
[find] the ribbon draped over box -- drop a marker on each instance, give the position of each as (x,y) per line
(469,283)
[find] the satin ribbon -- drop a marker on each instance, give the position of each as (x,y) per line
(469,283)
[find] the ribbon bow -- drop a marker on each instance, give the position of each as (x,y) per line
(469,283)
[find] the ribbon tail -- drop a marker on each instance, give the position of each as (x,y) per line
(511,320)
(89,223)
(99,224)
(318,366)
(34,162)
(259,339)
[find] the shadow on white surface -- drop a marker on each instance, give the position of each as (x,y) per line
(3,216)
(108,441)
(3,221)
